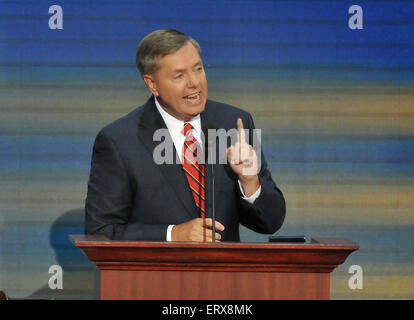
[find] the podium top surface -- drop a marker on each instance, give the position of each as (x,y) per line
(321,255)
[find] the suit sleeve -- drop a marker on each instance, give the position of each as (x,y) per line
(110,197)
(267,213)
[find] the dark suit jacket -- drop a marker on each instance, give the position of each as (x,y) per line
(130,197)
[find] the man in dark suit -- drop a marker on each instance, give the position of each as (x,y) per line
(132,197)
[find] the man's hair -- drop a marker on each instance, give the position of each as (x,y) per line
(158,44)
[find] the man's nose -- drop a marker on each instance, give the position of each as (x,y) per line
(192,81)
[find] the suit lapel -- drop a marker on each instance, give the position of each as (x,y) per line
(150,121)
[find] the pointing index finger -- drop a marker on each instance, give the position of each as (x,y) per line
(240,129)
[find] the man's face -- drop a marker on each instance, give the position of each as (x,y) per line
(180,83)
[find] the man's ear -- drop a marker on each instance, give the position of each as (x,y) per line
(149,81)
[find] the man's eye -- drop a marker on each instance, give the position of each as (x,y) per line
(178,76)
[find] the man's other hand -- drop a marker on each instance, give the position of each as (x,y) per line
(198,229)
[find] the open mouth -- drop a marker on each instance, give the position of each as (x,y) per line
(193,98)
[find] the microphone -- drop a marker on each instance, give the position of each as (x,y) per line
(210,144)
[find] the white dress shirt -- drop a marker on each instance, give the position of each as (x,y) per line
(175,128)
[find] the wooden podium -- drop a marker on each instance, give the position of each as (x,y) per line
(214,271)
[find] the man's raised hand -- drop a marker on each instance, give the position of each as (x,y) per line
(243,161)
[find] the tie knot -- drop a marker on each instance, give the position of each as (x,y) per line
(187,128)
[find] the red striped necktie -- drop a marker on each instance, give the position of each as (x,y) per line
(194,170)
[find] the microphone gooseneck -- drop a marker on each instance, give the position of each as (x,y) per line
(212,201)
(211,144)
